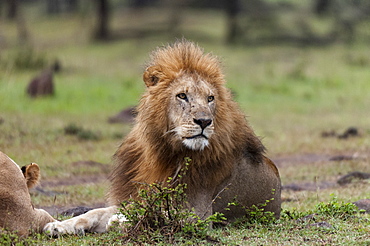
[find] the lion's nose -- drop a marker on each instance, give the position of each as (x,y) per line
(203,123)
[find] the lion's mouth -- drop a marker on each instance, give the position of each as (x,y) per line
(197,136)
(196,142)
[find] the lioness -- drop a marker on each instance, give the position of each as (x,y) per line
(186,111)
(17,213)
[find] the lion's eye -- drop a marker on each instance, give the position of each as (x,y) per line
(182,96)
(211,98)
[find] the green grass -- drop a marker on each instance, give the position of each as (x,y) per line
(290,95)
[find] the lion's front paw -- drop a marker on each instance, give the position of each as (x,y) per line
(58,228)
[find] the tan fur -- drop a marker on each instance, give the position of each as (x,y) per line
(152,152)
(31,173)
(16,210)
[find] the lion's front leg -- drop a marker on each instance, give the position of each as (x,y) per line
(201,201)
(96,220)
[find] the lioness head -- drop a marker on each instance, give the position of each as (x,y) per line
(188,82)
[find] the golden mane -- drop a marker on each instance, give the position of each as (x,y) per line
(183,57)
(149,155)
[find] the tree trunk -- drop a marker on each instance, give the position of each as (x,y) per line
(72,5)
(14,13)
(53,6)
(23,35)
(322,6)
(102,30)
(232,8)
(175,15)
(12,9)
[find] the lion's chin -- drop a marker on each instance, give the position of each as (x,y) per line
(196,143)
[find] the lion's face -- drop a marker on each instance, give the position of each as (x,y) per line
(191,111)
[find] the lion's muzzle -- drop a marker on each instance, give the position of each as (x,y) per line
(203,123)
(201,131)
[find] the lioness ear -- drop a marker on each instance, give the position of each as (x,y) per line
(31,173)
(152,75)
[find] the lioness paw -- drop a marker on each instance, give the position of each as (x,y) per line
(117,218)
(58,228)
(95,220)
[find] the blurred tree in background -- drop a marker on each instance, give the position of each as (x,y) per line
(12,9)
(102,26)
(14,13)
(246,21)
(232,8)
(59,6)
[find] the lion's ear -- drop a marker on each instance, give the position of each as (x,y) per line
(152,75)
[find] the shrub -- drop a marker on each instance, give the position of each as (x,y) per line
(160,214)
(81,133)
(72,129)
(331,209)
(337,209)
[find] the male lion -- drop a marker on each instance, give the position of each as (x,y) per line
(187,111)
(16,210)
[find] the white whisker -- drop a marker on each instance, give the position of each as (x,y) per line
(170,131)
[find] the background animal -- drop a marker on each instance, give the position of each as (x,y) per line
(43,84)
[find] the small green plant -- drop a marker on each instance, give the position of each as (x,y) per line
(160,214)
(72,129)
(257,214)
(8,238)
(337,209)
(254,214)
(293,214)
(330,209)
